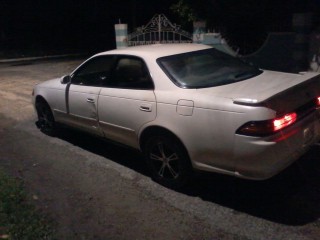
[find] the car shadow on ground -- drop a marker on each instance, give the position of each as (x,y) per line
(291,198)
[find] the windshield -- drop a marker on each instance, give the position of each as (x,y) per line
(206,68)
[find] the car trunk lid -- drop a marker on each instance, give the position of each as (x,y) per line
(279,91)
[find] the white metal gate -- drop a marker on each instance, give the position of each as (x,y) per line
(159,30)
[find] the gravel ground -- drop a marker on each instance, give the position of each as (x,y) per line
(96,190)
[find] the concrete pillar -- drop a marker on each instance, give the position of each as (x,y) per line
(199,29)
(121,35)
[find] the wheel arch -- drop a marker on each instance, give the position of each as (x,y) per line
(46,119)
(40,98)
(158,130)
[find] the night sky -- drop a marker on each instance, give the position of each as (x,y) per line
(70,25)
(88,26)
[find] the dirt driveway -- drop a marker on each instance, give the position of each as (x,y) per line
(96,190)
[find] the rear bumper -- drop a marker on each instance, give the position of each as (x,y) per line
(261,158)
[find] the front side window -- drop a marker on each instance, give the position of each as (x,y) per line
(94,72)
(205,68)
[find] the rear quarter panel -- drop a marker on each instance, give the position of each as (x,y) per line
(209,132)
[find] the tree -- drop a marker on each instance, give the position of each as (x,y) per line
(241,23)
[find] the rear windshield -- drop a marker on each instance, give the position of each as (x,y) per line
(206,68)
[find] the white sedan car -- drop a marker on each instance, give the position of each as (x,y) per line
(186,107)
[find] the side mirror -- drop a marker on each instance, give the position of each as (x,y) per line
(65,79)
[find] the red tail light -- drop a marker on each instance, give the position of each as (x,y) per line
(286,120)
(268,127)
(318,101)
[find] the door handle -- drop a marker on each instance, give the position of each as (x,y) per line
(90,100)
(146,108)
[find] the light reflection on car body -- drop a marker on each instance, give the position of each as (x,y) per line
(131,96)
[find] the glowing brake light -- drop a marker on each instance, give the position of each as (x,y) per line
(318,101)
(268,127)
(284,121)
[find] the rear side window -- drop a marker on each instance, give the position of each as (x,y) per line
(130,73)
(205,68)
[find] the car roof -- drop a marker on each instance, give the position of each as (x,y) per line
(157,50)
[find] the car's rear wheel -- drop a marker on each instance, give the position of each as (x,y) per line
(167,161)
(46,122)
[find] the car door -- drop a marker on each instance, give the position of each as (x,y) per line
(83,93)
(127,101)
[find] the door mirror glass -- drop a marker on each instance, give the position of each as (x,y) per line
(65,79)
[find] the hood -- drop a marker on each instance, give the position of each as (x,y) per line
(53,83)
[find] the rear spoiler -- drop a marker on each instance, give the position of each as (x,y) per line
(302,92)
(245,101)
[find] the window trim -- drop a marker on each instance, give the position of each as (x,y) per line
(185,86)
(117,58)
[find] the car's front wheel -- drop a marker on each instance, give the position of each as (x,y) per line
(45,121)
(167,161)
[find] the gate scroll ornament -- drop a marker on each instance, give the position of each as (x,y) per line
(159,30)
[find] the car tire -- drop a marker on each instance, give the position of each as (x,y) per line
(168,161)
(46,122)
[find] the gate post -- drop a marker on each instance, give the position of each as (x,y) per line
(199,29)
(121,35)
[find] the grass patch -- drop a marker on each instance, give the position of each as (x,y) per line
(18,218)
